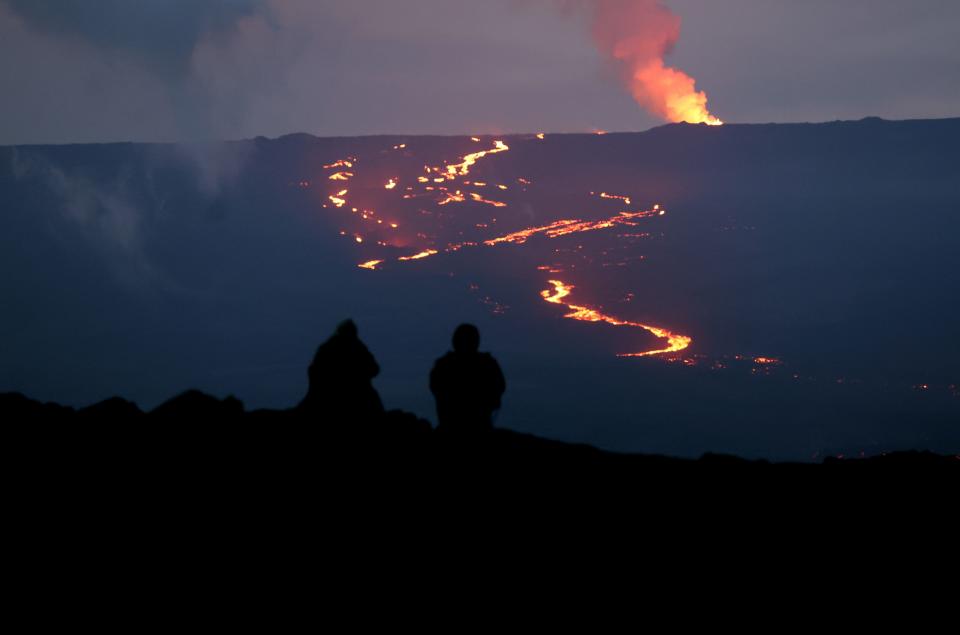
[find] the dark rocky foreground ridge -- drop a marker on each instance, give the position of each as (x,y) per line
(254,501)
(196,431)
(201,503)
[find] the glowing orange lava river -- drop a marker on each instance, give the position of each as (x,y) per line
(426,192)
(675,343)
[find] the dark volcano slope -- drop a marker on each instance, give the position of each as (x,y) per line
(146,269)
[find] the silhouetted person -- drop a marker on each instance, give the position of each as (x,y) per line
(341,377)
(467,384)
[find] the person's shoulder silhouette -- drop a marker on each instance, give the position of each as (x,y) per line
(467,384)
(341,376)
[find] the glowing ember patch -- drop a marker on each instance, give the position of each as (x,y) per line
(766,361)
(392,183)
(340,176)
(561,291)
(359,239)
(423,179)
(456,197)
(394,225)
(541,136)
(370,264)
(625,199)
(520,237)
(342,163)
(502,187)
(475,139)
(423,254)
(570,226)
(400,147)
(583,226)
(479,199)
(336,200)
(463,169)
(480,183)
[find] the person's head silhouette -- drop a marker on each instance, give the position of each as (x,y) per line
(347,329)
(466,339)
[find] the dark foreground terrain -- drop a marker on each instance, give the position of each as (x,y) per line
(196,433)
(201,503)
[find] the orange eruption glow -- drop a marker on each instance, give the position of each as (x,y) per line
(370,264)
(392,183)
(637,35)
(561,290)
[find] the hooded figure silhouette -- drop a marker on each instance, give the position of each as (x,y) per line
(341,377)
(466,384)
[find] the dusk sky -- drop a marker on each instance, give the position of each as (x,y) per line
(74,71)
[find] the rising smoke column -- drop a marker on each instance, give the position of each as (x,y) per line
(637,34)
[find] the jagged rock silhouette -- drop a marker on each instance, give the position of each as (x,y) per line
(195,404)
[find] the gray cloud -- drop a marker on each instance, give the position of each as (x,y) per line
(105,216)
(160,33)
(74,71)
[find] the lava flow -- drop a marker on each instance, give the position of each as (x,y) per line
(675,343)
(444,184)
(462,169)
(570,226)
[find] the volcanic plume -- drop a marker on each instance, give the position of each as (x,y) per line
(637,34)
